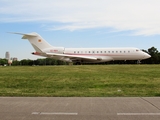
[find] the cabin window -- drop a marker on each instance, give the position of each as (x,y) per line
(116,51)
(112,51)
(78,52)
(97,52)
(89,52)
(108,51)
(92,51)
(120,51)
(128,51)
(104,51)
(124,51)
(74,51)
(101,51)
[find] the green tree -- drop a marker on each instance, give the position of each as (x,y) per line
(3,61)
(15,63)
(155,56)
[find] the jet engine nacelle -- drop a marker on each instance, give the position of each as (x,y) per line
(104,58)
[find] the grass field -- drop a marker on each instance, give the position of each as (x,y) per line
(83,80)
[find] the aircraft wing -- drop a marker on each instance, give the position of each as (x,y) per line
(72,56)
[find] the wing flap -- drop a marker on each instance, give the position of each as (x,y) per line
(72,56)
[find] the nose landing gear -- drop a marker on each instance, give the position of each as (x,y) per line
(138,61)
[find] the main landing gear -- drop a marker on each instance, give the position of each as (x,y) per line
(78,63)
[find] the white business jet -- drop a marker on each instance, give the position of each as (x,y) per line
(82,55)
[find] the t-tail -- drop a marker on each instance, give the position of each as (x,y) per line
(40,45)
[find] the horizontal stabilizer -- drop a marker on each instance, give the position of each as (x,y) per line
(25,35)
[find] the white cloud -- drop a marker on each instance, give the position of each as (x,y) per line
(141,16)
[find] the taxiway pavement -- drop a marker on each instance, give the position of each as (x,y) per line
(79,108)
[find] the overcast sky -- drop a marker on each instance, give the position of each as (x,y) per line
(84,23)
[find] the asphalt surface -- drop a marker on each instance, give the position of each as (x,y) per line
(79,108)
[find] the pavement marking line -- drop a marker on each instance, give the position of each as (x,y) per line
(35,113)
(53,113)
(143,114)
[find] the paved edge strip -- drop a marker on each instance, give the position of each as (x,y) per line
(129,114)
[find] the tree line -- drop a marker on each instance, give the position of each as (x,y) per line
(155,59)
(28,62)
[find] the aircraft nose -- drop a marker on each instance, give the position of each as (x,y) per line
(146,56)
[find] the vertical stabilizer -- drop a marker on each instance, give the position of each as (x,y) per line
(36,41)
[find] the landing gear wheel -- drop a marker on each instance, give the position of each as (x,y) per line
(78,63)
(138,61)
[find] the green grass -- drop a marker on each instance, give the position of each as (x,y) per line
(85,80)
